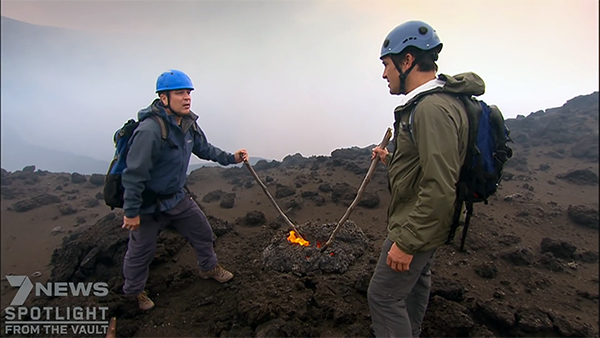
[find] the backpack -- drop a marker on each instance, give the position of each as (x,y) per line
(113,188)
(487,153)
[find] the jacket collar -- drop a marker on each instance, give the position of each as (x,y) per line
(428,87)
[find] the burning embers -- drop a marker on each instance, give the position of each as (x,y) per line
(293,238)
(288,252)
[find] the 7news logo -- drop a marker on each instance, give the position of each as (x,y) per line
(53,320)
(56,289)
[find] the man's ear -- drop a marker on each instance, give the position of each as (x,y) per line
(408,59)
(163,98)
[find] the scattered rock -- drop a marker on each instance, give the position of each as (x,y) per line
(57,230)
(449,289)
(325,187)
(91,203)
(451,319)
(284,191)
(97,180)
(571,327)
(588,257)
(9,193)
(319,200)
(533,320)
(495,312)
(228,201)
(352,153)
(343,191)
(509,240)
(66,209)
(560,249)
(544,167)
(583,215)
(369,200)
(264,165)
(487,270)
(306,194)
(580,177)
(220,227)
(78,178)
(518,256)
(355,168)
(549,262)
(35,202)
(510,198)
(296,160)
(254,218)
(213,196)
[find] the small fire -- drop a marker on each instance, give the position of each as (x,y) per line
(297,239)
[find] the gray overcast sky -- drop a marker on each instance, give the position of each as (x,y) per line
(279,77)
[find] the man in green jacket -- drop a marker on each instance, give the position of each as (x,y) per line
(428,149)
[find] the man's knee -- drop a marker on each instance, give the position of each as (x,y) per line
(140,247)
(380,296)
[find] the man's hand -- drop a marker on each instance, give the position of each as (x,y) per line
(380,153)
(131,223)
(398,260)
(241,155)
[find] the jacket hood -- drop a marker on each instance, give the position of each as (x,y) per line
(463,83)
(155,108)
(460,84)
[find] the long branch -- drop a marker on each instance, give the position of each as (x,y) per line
(264,188)
(361,189)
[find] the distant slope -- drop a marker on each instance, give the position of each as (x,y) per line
(19,153)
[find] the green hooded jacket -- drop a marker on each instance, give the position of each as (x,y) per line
(423,173)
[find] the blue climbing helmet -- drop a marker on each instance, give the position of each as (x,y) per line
(412,33)
(173,80)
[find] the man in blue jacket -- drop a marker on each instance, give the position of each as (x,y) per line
(158,168)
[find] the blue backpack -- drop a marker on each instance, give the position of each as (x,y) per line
(487,153)
(113,189)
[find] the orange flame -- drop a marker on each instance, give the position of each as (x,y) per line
(297,239)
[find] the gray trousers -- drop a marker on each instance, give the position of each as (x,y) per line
(398,300)
(188,220)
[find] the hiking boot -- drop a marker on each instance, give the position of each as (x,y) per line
(217,273)
(144,301)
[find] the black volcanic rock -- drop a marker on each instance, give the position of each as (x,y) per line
(35,202)
(583,215)
(296,160)
(580,177)
(351,153)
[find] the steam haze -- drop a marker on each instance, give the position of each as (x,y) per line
(274,77)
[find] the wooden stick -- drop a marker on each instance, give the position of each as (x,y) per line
(361,189)
(112,328)
(264,188)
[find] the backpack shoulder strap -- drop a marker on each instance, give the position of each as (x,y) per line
(164,130)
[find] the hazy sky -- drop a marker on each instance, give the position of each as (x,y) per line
(279,77)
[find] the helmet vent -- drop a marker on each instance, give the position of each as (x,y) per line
(408,39)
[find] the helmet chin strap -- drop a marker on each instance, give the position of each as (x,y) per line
(404,75)
(168,106)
